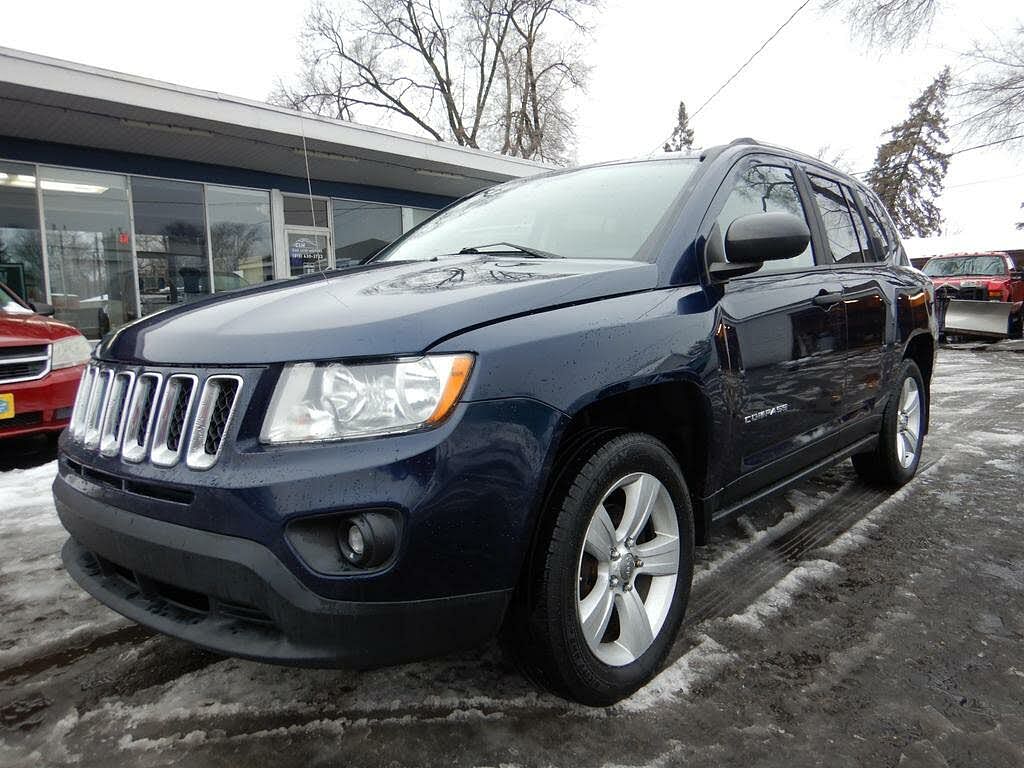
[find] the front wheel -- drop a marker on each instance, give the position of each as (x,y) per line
(895,459)
(611,576)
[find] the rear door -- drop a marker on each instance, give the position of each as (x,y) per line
(863,274)
(781,338)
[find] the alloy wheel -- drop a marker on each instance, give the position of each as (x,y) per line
(627,570)
(908,422)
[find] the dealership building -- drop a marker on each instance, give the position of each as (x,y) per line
(120,196)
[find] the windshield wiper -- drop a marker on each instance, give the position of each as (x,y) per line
(535,253)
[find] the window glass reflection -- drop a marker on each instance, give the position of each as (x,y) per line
(307,253)
(305,212)
(361,229)
(239,237)
(838,220)
(21,253)
(766,189)
(170,240)
(88,245)
(419,215)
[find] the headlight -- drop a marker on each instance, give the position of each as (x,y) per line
(73,350)
(333,401)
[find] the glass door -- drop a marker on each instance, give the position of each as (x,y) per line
(309,250)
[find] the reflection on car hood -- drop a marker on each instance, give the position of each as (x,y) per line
(379,309)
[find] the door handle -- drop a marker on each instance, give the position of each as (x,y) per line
(825,299)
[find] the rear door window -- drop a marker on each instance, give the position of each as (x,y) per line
(844,228)
(876,226)
(766,189)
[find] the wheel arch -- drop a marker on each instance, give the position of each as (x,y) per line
(677,412)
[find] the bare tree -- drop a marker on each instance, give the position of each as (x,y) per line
(492,74)
(834,157)
(992,88)
(888,23)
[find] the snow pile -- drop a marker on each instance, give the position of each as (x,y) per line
(804,506)
(692,668)
(43,609)
(781,596)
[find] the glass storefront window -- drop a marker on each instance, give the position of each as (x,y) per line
(170,241)
(243,253)
(88,246)
(303,212)
(361,229)
(307,253)
(21,252)
(419,215)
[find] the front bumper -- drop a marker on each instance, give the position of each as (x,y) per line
(233,596)
(43,405)
(206,555)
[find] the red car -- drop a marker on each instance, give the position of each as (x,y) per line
(41,362)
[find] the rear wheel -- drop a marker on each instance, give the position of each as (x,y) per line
(895,459)
(611,576)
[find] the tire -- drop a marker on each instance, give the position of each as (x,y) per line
(1017,325)
(895,459)
(597,503)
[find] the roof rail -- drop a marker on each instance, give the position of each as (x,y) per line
(712,152)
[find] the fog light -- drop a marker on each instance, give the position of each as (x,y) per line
(355,540)
(367,540)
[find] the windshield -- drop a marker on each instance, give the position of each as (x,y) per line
(605,212)
(967,265)
(10,304)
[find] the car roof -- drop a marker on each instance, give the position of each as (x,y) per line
(736,147)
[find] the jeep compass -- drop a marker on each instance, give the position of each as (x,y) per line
(519,418)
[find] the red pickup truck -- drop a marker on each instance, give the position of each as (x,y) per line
(41,363)
(980,293)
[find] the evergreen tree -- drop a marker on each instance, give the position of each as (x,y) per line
(682,134)
(911,167)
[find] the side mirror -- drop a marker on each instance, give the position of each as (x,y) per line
(41,308)
(1017,274)
(757,238)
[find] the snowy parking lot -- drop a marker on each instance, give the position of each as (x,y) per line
(833,625)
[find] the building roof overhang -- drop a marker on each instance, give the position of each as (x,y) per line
(51,100)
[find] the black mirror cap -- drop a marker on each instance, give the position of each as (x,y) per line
(762,237)
(41,308)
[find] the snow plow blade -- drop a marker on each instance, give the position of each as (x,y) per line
(978,318)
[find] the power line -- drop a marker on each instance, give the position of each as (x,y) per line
(965,149)
(988,144)
(752,57)
(743,66)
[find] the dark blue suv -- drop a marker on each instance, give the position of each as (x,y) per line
(519,417)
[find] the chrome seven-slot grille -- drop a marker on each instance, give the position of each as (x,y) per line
(154,416)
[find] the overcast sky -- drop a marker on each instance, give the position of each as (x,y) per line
(812,86)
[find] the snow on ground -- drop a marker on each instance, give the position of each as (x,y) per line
(42,608)
(802,506)
(781,596)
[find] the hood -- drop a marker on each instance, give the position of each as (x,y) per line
(375,310)
(17,330)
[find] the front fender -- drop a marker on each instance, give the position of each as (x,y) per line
(573,356)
